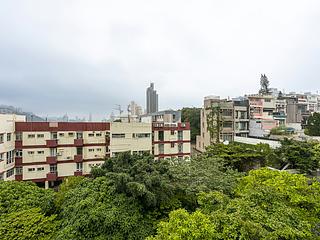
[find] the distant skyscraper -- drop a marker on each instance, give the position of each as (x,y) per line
(152,99)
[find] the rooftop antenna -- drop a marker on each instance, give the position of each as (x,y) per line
(129,111)
(118,108)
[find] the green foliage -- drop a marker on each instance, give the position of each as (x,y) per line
(267,205)
(192,115)
(281,130)
(23,211)
(17,196)
(239,156)
(313,125)
(67,185)
(27,224)
(303,156)
(93,210)
(185,226)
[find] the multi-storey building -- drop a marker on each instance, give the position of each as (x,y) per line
(222,119)
(171,140)
(166,116)
(47,152)
(130,137)
(7,144)
(151,99)
(262,115)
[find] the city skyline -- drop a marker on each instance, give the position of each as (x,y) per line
(77,57)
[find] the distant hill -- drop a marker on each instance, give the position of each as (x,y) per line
(13,110)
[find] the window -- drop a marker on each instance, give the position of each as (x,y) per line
(40,152)
(227,112)
(18,136)
(61,134)
(172,145)
(40,169)
(53,152)
(98,149)
(8,137)
(161,136)
(79,135)
(18,170)
(54,136)
(79,150)
(180,147)
(40,135)
(30,152)
(227,124)
(141,135)
(1,176)
(1,156)
(267,100)
(53,168)
(71,134)
(31,136)
(98,134)
(18,153)
(31,169)
(10,172)
(91,150)
(1,137)
(91,134)
(118,135)
(161,148)
(10,155)
(79,167)
(172,132)
(180,135)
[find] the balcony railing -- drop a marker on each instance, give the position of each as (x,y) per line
(18,144)
(52,143)
(52,176)
(78,158)
(78,142)
(51,160)
(78,173)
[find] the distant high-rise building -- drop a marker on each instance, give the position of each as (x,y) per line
(135,109)
(152,99)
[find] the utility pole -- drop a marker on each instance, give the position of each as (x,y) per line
(129,111)
(118,108)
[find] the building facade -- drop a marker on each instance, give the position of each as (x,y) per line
(151,99)
(47,152)
(7,144)
(221,120)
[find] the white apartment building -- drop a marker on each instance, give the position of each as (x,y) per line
(7,144)
(47,152)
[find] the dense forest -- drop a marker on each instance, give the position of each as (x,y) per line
(225,193)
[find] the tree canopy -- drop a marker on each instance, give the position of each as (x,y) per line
(313,125)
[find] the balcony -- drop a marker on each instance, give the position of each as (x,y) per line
(78,142)
(18,177)
(18,144)
(78,173)
(52,143)
(18,161)
(78,158)
(52,176)
(51,160)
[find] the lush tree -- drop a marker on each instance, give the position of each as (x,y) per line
(185,226)
(264,84)
(313,125)
(241,156)
(94,210)
(26,211)
(28,224)
(266,205)
(300,155)
(192,115)
(16,196)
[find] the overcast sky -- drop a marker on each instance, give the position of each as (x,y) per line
(77,57)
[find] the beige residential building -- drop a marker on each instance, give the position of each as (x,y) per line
(47,152)
(7,144)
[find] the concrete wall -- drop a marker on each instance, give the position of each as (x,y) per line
(255,141)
